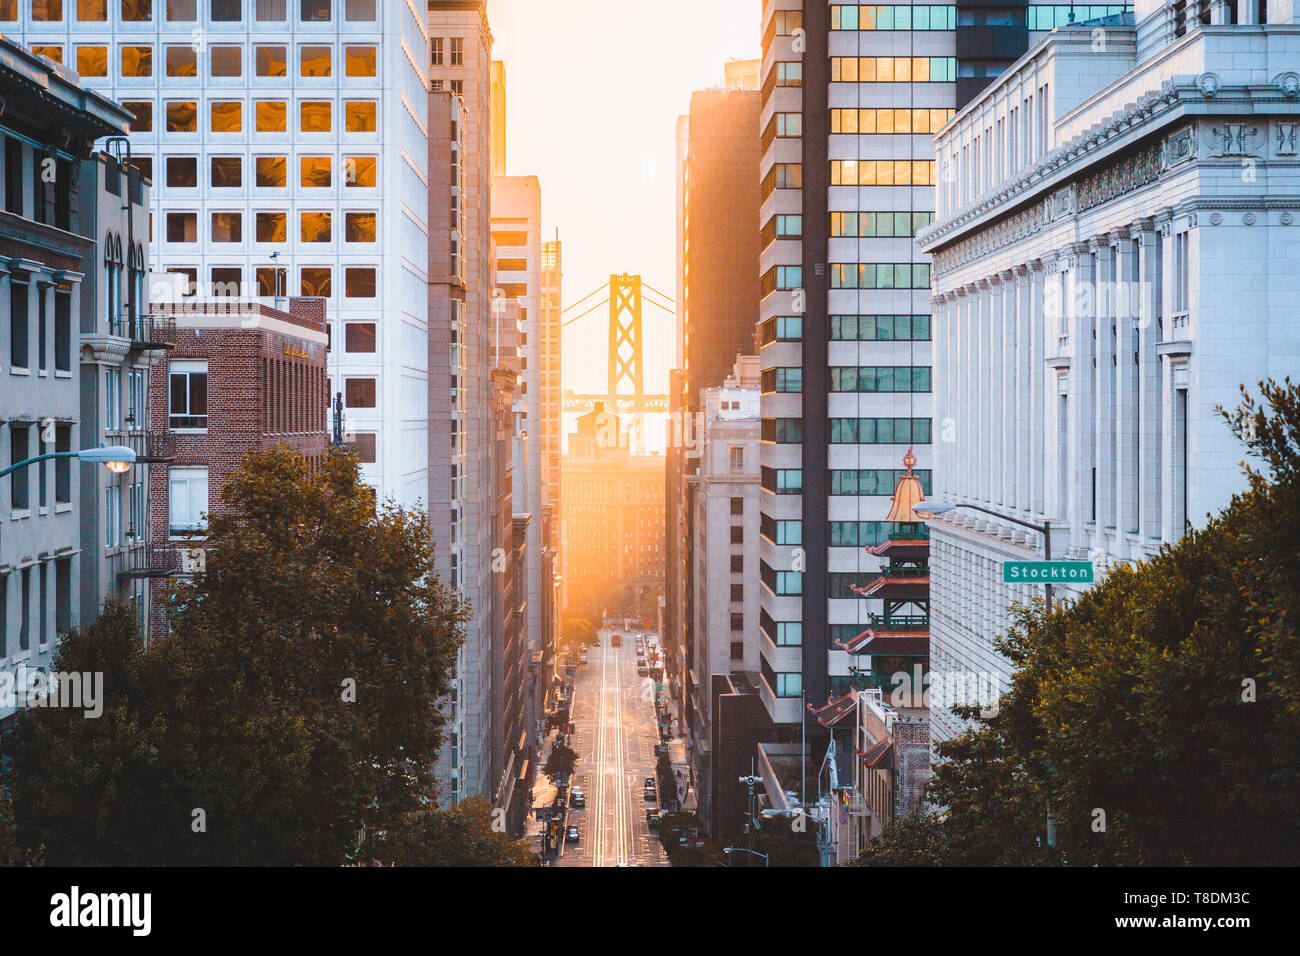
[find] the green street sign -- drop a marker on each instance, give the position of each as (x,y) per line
(1047,572)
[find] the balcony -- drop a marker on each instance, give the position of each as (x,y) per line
(151,561)
(150,333)
(159,448)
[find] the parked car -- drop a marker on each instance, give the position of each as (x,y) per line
(571,834)
(649,782)
(650,793)
(577,799)
(582,659)
(652,819)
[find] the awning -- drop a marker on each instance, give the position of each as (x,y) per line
(877,755)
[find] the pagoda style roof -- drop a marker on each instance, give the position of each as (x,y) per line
(878,754)
(835,710)
(897,587)
(883,641)
(906,549)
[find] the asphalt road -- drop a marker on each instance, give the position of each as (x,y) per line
(615,738)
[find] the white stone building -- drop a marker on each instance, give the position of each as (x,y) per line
(1115,251)
(726,528)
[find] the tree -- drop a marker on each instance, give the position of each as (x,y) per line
(560,762)
(468,834)
(1156,718)
(576,632)
(292,707)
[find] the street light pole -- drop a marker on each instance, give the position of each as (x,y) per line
(117,458)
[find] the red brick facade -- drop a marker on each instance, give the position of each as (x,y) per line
(266,383)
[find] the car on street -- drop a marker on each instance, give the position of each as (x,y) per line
(641,670)
(649,782)
(582,659)
(577,799)
(571,834)
(650,793)
(652,819)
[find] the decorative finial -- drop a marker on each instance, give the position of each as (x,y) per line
(909,462)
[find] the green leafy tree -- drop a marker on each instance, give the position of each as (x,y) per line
(291,709)
(560,762)
(1156,719)
(466,835)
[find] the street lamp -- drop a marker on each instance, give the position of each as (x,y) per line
(116,458)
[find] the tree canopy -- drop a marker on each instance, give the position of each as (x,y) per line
(292,707)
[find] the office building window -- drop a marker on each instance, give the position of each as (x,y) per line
(272,226)
(272,60)
(315,117)
(227,172)
(272,171)
(226,61)
(181,60)
(359,283)
(457,51)
(92,60)
(271,116)
(188,395)
(316,61)
(360,117)
(364,446)
(227,116)
(227,227)
(359,337)
(143,112)
(316,11)
(137,61)
(272,11)
(359,392)
(315,227)
(316,172)
(435,51)
(359,226)
(360,60)
(317,282)
(187,500)
(20,450)
(182,116)
(19,322)
(112,516)
(226,11)
(182,11)
(737,564)
(62,466)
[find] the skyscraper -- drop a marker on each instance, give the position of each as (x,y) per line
(287,148)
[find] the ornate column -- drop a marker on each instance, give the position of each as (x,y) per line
(1104,386)
(1037,372)
(1151,430)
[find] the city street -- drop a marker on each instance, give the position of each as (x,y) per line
(615,738)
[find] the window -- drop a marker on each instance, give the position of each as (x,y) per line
(227,172)
(359,60)
(880,275)
(359,392)
(271,282)
(182,116)
(226,11)
(92,60)
(272,116)
(227,116)
(62,466)
(886,378)
(182,61)
(47,9)
(737,535)
(435,51)
(272,171)
(360,10)
(227,282)
(360,117)
(25,603)
(182,171)
(182,11)
(188,394)
(737,594)
(893,69)
(882,172)
(889,120)
(315,61)
(226,61)
(880,328)
(359,227)
(457,51)
(112,515)
(315,117)
(137,61)
(315,11)
(737,564)
(359,337)
(781,380)
(315,171)
(187,500)
(317,282)
(54,53)
(143,112)
(182,227)
(874,481)
(364,446)
(782,430)
(880,431)
(360,171)
(227,227)
(19,323)
(271,60)
(95,11)
(359,283)
(315,227)
(272,226)
(737,504)
(62,331)
(20,450)
(272,11)
(879,224)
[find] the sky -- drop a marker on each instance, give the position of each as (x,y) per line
(594,89)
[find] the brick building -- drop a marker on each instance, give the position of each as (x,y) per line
(241,377)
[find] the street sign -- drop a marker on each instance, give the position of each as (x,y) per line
(1047,572)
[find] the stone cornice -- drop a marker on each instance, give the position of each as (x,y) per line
(1153,111)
